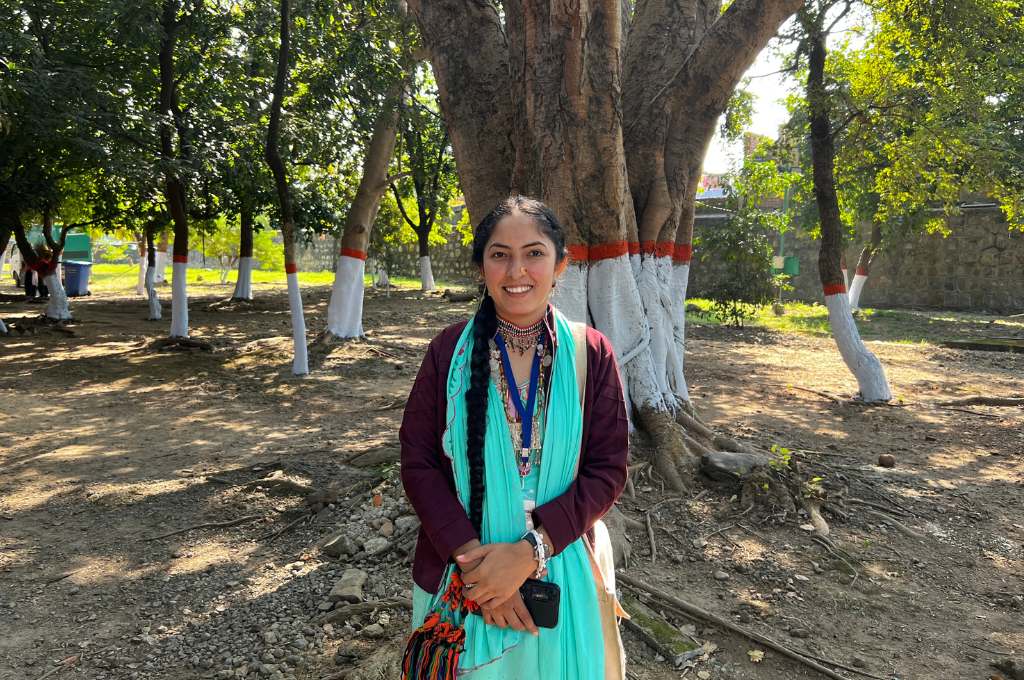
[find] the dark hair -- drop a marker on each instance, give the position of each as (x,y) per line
(485,325)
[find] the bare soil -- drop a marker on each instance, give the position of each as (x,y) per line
(107,440)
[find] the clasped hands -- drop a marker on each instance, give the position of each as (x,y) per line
(493,574)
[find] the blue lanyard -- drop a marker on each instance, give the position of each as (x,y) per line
(525,414)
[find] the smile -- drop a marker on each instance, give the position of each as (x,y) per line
(517,290)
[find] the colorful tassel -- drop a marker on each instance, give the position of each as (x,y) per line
(433,650)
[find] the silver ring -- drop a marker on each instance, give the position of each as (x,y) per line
(470,586)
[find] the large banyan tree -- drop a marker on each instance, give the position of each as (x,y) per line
(603,110)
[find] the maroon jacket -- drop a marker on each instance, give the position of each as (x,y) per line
(427,473)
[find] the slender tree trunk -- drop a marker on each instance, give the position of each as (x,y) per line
(5,239)
(140,241)
(867,256)
(174,189)
(300,364)
(155,308)
(243,285)
(426,273)
(345,310)
(864,365)
(57,307)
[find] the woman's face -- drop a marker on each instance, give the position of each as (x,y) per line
(520,267)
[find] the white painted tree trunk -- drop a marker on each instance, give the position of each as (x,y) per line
(618,310)
(140,285)
(161,266)
(155,308)
(300,365)
(179,300)
(345,310)
(859,279)
(570,293)
(3,328)
(654,282)
(243,286)
(3,262)
(383,280)
(864,365)
(57,307)
(846,278)
(426,274)
(680,282)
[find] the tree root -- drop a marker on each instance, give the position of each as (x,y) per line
(672,460)
(985,401)
(206,525)
(694,612)
(187,344)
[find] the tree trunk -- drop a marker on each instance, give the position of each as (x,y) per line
(300,364)
(867,256)
(584,140)
(345,310)
(174,190)
(866,367)
(161,258)
(5,239)
(155,309)
(426,273)
(140,242)
(243,285)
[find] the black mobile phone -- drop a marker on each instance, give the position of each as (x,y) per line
(541,599)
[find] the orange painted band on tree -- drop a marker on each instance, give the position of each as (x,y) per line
(862,271)
(834,289)
(354,252)
(181,259)
(683,253)
(290,268)
(658,248)
(603,251)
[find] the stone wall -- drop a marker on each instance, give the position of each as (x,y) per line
(449,262)
(979,267)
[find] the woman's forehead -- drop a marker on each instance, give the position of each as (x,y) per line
(517,229)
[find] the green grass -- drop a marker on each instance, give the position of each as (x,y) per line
(890,325)
(122,278)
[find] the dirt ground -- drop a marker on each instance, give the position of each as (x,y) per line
(107,442)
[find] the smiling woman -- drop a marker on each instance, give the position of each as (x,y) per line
(514,445)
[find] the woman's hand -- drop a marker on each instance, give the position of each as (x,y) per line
(502,568)
(512,613)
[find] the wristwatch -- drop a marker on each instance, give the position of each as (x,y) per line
(540,550)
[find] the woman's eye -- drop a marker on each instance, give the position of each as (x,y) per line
(536,253)
(497,255)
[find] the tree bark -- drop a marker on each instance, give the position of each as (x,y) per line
(345,310)
(867,256)
(470,58)
(174,189)
(155,308)
(243,284)
(300,364)
(873,384)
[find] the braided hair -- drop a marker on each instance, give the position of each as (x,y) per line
(485,325)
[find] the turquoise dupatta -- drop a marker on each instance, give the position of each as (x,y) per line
(574,650)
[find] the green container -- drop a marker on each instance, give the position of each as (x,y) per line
(76,246)
(791,266)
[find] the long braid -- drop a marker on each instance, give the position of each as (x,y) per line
(485,324)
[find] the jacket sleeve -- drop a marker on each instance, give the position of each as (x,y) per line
(602,471)
(426,473)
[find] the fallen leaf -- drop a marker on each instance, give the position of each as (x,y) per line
(756,655)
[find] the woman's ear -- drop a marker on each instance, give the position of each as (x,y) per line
(560,267)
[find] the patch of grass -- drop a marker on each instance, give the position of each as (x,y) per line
(122,278)
(889,325)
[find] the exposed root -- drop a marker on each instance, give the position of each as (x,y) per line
(985,401)
(720,442)
(672,460)
(180,344)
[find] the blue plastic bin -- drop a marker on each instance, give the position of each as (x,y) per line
(76,277)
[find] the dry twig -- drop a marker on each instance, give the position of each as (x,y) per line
(206,525)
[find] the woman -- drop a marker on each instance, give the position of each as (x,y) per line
(508,468)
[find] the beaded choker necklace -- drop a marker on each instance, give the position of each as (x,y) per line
(521,340)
